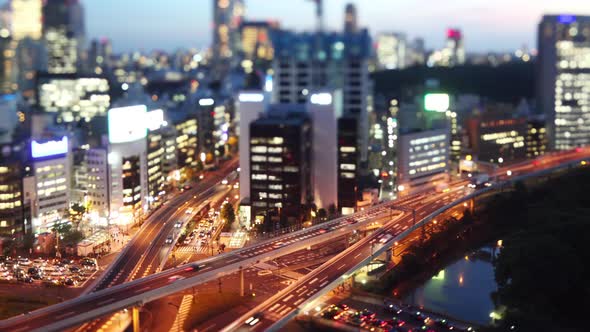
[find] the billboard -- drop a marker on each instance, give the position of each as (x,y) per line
(155,119)
(50,148)
(127,124)
(437,102)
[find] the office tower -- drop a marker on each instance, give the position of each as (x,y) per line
(8,117)
(7,62)
(186,141)
(348,154)
(127,159)
(73,97)
(391,51)
(46,184)
(325,165)
(416,53)
(564,79)
(11,198)
(280,166)
(453,54)
(310,62)
(61,24)
(257,43)
(423,160)
(350,19)
(156,153)
(227,17)
(536,139)
(97,179)
(249,106)
(497,136)
(99,56)
(26,19)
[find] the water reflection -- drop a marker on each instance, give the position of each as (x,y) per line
(462,290)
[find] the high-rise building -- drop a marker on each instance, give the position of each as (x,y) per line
(350,19)
(325,165)
(453,54)
(536,139)
(310,62)
(249,106)
(391,51)
(227,18)
(127,159)
(497,137)
(347,155)
(11,191)
(423,159)
(61,23)
(280,166)
(46,184)
(256,41)
(26,19)
(564,79)
(73,97)
(99,56)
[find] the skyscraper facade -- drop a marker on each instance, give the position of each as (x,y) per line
(564,79)
(62,21)
(350,19)
(227,18)
(26,19)
(391,51)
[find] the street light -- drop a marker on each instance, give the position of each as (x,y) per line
(509,173)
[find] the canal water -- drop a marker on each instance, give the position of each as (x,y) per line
(462,289)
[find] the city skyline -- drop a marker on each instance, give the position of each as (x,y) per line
(192,28)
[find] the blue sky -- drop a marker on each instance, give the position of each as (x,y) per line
(169,24)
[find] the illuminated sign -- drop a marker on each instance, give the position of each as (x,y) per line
(127,124)
(566,19)
(206,102)
(321,99)
(155,119)
(48,149)
(268,83)
(251,97)
(437,102)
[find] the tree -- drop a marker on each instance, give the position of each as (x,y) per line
(228,215)
(332,210)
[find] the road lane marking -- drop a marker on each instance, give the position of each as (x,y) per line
(142,289)
(341,266)
(314,280)
(324,283)
(64,315)
(298,301)
(288,298)
(105,302)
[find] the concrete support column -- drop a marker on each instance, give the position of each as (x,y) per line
(135,319)
(241,282)
(389,255)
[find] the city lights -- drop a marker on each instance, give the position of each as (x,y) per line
(437,102)
(49,148)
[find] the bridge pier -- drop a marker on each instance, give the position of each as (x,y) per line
(135,316)
(389,255)
(241,282)
(472,205)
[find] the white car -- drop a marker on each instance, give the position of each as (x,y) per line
(169,239)
(224,182)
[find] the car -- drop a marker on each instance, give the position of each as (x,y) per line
(189,210)
(88,262)
(39,262)
(67,261)
(367,314)
(193,267)
(393,308)
(175,278)
(74,269)
(70,282)
(224,182)
(169,239)
(278,245)
(178,224)
(441,322)
(254,319)
(23,261)
(187,187)
(187,240)
(419,316)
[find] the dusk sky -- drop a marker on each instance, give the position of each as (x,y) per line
(170,24)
